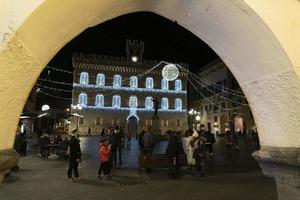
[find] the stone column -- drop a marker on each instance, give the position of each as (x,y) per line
(8,159)
(283,164)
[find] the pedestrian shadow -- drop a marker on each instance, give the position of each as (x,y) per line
(94,182)
(128,180)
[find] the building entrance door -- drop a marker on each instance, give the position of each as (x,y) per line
(132,126)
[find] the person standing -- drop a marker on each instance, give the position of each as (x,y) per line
(228,143)
(210,140)
(148,141)
(119,139)
(199,151)
(113,143)
(174,149)
(141,135)
(104,151)
(89,132)
(74,157)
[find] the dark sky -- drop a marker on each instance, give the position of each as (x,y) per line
(164,40)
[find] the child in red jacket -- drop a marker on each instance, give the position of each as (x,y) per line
(104,152)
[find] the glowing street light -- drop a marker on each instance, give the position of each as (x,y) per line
(134,59)
(45,107)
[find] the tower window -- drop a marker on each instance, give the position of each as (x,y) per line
(100,80)
(149,83)
(84,78)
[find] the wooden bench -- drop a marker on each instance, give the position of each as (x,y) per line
(158,161)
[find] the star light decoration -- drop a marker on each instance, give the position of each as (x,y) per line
(170,72)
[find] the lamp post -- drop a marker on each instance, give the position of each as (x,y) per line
(193,113)
(77,107)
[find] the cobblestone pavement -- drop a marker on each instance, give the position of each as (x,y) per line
(237,178)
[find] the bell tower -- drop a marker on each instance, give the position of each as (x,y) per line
(134,50)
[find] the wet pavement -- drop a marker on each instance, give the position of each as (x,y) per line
(237,178)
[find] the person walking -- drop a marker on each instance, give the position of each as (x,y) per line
(74,157)
(104,153)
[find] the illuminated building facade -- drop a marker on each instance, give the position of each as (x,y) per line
(114,90)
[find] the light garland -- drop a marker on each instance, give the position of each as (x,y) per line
(129,109)
(209,101)
(222,97)
(224,89)
(106,87)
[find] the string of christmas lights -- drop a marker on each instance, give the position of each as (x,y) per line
(211,102)
(224,89)
(222,97)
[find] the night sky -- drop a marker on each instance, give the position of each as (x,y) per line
(164,40)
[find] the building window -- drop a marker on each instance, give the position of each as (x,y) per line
(81,121)
(164,123)
(178,85)
(215,118)
(178,104)
(164,103)
(133,82)
(116,101)
(148,103)
(149,83)
(148,122)
(82,100)
(99,100)
(98,121)
(132,101)
(164,84)
(100,80)
(84,78)
(117,81)
(178,123)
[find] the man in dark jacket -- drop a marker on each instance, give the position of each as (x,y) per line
(74,157)
(174,149)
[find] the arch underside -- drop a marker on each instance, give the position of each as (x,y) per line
(230,28)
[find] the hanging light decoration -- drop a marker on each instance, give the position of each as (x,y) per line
(170,72)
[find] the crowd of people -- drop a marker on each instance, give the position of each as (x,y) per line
(196,145)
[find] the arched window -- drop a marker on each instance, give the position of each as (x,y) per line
(116,101)
(82,100)
(84,78)
(149,83)
(164,84)
(99,100)
(132,101)
(148,103)
(164,103)
(117,81)
(178,85)
(100,80)
(178,104)
(133,82)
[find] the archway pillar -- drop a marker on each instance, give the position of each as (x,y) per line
(8,159)
(282,164)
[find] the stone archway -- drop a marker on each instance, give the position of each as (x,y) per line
(231,28)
